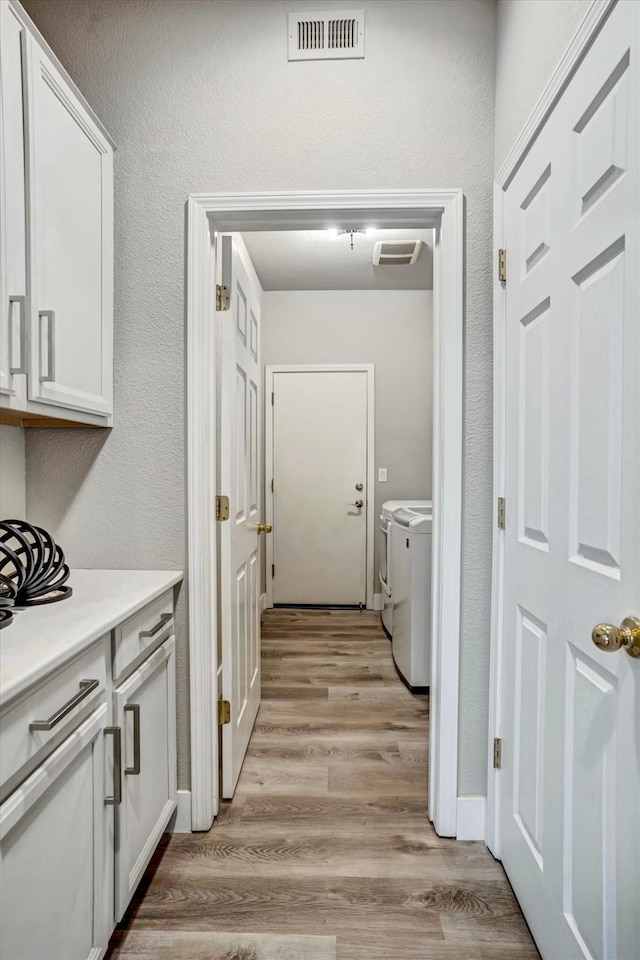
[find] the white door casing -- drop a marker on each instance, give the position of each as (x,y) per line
(207,216)
(70,187)
(320,436)
(569,712)
(240,473)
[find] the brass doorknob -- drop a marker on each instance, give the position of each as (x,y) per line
(264,528)
(610,638)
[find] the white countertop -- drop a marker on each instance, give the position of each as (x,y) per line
(42,638)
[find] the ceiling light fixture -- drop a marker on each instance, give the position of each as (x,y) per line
(332,233)
(351,232)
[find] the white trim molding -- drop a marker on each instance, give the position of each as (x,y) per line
(367,368)
(586,34)
(181,822)
(471,818)
(378,602)
(208,215)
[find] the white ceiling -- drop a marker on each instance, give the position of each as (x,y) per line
(311,260)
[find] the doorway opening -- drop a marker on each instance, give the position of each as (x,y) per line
(210,217)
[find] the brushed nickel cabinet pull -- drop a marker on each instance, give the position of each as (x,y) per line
(163,621)
(134,708)
(22,366)
(50,316)
(116,798)
(86,686)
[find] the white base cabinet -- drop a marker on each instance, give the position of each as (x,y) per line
(90,775)
(144,708)
(56,832)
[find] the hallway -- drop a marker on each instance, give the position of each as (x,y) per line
(327,845)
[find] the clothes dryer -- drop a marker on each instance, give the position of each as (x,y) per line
(385,557)
(411,640)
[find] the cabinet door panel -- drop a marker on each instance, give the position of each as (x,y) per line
(145,709)
(70,187)
(55,841)
(13,265)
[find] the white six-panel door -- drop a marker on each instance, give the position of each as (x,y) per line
(240,480)
(570,780)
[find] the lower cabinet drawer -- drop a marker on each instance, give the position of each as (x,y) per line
(36,724)
(144,708)
(134,639)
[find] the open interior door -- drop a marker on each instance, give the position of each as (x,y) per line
(240,471)
(570,779)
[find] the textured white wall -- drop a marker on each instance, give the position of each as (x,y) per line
(12,473)
(199,97)
(532,36)
(389,328)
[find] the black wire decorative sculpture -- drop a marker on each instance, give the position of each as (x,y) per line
(32,568)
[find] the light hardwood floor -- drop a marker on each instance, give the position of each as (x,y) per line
(328,834)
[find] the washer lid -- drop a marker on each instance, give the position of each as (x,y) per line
(389,506)
(415,522)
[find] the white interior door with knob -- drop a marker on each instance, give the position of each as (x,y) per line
(322,451)
(569,785)
(240,470)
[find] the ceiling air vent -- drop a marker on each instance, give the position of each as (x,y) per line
(322,35)
(396,253)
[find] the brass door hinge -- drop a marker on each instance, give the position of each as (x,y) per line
(222,508)
(502,513)
(223,296)
(273,398)
(497,753)
(224,712)
(273,569)
(502,265)
(272,485)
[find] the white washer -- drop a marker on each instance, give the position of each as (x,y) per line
(386,552)
(411,642)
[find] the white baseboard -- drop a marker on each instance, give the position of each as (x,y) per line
(181,822)
(471,814)
(263,602)
(378,601)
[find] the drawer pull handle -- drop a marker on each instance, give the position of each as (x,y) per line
(86,687)
(165,618)
(134,708)
(116,799)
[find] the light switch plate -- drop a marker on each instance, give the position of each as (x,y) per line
(382,474)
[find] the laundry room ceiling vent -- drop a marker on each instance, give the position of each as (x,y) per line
(396,253)
(326,35)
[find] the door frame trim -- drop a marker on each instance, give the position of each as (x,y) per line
(584,37)
(369,369)
(207,215)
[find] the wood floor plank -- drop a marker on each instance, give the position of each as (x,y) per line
(388,948)
(189,945)
(328,834)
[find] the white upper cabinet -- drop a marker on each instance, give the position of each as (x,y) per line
(58,165)
(13,243)
(71,192)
